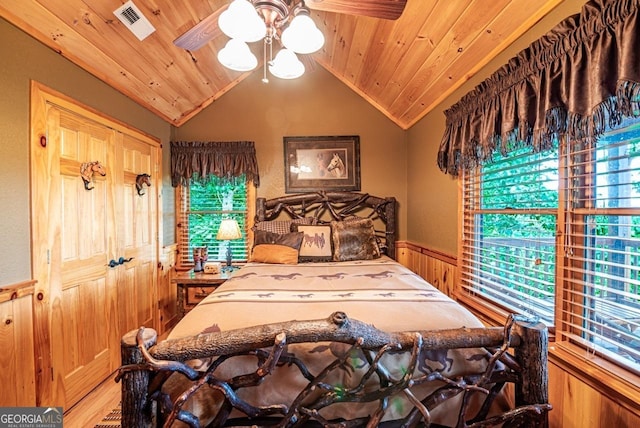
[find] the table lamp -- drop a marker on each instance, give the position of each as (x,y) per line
(228,230)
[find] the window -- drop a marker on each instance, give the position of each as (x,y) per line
(509,232)
(201,207)
(557,234)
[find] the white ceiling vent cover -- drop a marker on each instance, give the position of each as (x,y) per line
(134,20)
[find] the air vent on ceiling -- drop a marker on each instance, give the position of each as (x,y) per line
(134,20)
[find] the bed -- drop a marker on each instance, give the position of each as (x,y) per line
(322,327)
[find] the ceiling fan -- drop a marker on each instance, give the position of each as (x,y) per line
(208,29)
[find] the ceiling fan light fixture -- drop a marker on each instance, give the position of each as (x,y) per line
(286,65)
(302,36)
(241,21)
(237,56)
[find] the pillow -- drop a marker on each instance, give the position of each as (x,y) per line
(274,253)
(281,226)
(291,239)
(354,240)
(316,243)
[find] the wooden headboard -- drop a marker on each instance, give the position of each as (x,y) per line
(325,207)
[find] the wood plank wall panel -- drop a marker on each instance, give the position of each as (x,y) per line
(437,269)
(17,376)
(167,291)
(576,404)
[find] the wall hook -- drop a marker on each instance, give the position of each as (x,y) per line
(140,180)
(87,169)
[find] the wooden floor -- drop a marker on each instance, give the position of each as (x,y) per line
(96,405)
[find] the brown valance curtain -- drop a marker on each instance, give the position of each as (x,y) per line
(200,159)
(579,80)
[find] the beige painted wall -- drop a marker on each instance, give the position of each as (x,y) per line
(316,104)
(394,162)
(432,210)
(25,59)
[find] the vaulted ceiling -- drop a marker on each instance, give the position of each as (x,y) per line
(403,67)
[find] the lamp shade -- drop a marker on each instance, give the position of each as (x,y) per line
(302,36)
(286,65)
(241,21)
(228,230)
(236,55)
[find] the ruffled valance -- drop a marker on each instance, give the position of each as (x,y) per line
(579,80)
(222,159)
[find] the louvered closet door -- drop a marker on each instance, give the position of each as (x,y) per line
(79,240)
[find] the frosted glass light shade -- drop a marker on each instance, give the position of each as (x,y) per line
(241,21)
(302,36)
(286,65)
(236,55)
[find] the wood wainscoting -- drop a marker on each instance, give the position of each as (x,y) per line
(17,377)
(167,291)
(580,398)
(437,268)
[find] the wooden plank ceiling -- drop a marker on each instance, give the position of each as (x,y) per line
(404,67)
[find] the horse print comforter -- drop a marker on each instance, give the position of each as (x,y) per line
(380,292)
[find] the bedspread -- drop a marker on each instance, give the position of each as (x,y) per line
(380,292)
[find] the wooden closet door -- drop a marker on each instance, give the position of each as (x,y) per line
(137,236)
(94,251)
(76,229)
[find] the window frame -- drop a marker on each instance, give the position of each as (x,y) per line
(492,312)
(594,368)
(182,232)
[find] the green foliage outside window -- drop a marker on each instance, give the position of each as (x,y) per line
(510,251)
(211,201)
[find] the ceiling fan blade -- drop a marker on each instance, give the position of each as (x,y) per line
(201,33)
(385,9)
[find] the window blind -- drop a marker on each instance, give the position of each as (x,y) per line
(508,245)
(557,235)
(601,300)
(202,206)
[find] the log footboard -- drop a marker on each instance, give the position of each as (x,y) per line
(147,365)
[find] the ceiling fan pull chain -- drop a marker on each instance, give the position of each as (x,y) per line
(267,41)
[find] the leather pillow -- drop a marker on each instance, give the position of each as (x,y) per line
(354,240)
(291,239)
(274,253)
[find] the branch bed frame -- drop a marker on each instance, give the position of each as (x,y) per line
(147,365)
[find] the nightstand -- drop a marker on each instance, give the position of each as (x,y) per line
(195,286)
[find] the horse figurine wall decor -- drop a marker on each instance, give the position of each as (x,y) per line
(140,180)
(87,169)
(336,167)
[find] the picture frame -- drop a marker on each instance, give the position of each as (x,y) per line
(322,163)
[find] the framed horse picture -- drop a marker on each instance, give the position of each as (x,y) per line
(322,163)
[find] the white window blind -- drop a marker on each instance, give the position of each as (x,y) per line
(201,207)
(557,234)
(510,209)
(601,284)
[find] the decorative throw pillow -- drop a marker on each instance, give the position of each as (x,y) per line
(291,239)
(354,240)
(274,253)
(316,243)
(281,226)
